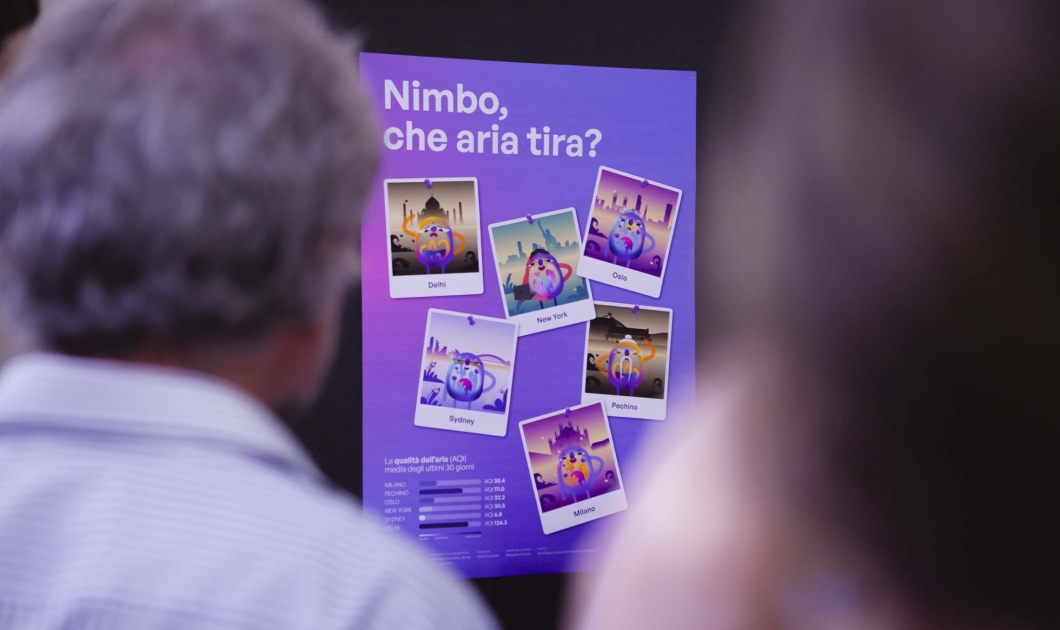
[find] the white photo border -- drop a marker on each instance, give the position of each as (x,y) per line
(609,273)
(418,286)
(650,408)
(546,318)
(445,418)
(604,505)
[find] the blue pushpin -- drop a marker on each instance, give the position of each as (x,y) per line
(471,320)
(530,218)
(567,413)
(644,184)
(428,183)
(636,307)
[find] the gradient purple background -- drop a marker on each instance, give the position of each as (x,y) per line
(647,118)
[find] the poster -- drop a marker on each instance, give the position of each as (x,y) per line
(522,142)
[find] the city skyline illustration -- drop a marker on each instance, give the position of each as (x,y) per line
(451,334)
(452,201)
(559,234)
(611,325)
(543,435)
(546,438)
(622,193)
(656,206)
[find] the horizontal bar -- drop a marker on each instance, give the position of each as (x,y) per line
(452,491)
(456,507)
(442,525)
(449,517)
(453,482)
(425,535)
(455,499)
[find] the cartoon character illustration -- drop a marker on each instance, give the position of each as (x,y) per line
(626,241)
(434,241)
(466,377)
(466,380)
(545,275)
(625,364)
(577,470)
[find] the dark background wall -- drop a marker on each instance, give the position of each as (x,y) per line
(14,14)
(661,35)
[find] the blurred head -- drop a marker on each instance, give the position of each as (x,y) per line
(885,255)
(181,182)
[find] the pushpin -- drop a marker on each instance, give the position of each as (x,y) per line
(530,218)
(567,413)
(644,184)
(471,320)
(636,307)
(428,183)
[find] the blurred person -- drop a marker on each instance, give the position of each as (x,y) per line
(180,187)
(877,436)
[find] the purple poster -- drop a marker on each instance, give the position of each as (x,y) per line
(508,368)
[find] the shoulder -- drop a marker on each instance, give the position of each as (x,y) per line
(237,539)
(377,579)
(337,567)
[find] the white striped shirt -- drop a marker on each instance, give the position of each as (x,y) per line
(141,497)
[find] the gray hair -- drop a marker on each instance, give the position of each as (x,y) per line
(177,171)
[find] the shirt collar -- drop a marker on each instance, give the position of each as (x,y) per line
(59,391)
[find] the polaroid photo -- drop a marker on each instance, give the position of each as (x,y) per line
(434,236)
(466,373)
(573,467)
(628,236)
(535,259)
(627,360)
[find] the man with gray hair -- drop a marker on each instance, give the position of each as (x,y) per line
(180,183)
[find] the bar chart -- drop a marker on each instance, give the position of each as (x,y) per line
(450,506)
